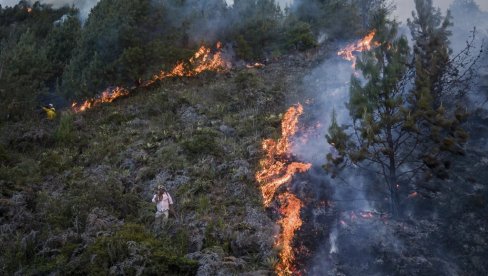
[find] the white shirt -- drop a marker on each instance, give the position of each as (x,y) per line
(163,205)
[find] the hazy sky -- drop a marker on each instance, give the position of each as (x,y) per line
(404,7)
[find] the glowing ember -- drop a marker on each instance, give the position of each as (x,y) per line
(107,96)
(360,46)
(255,65)
(277,170)
(414,194)
(366,215)
(29,10)
(203,60)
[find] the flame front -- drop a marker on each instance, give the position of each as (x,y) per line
(290,222)
(362,45)
(107,96)
(203,60)
(276,171)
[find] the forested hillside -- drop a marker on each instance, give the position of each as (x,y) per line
(324,138)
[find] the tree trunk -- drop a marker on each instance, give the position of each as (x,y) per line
(394,202)
(392,178)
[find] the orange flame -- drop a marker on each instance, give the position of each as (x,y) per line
(107,96)
(277,171)
(290,222)
(203,60)
(362,45)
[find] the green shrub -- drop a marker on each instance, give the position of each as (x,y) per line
(64,132)
(164,255)
(247,79)
(202,142)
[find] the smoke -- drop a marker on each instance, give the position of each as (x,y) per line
(283,3)
(84,6)
(326,89)
(405,7)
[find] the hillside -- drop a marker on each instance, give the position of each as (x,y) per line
(327,138)
(76,192)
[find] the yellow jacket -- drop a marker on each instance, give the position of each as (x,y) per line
(50,112)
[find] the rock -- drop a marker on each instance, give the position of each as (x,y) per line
(213,262)
(189,116)
(135,263)
(138,123)
(227,130)
(139,155)
(257,273)
(101,223)
(241,170)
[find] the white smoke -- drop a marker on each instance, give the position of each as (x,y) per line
(84,6)
(283,3)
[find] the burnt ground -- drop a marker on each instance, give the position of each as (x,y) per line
(443,231)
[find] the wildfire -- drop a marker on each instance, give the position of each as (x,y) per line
(203,60)
(290,222)
(362,45)
(276,167)
(107,96)
(277,170)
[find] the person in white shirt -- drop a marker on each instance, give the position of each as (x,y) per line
(164,204)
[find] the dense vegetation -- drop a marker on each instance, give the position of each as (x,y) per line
(47,54)
(75,191)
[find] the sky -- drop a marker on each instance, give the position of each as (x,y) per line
(404,7)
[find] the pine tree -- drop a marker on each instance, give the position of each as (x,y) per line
(436,104)
(401,126)
(378,106)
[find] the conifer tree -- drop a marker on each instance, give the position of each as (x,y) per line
(400,125)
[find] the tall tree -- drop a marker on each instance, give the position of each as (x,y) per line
(430,31)
(400,125)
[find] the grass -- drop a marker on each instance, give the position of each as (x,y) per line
(82,162)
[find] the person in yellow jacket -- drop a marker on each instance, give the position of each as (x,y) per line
(50,111)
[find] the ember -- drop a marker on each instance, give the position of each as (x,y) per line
(277,170)
(255,65)
(411,195)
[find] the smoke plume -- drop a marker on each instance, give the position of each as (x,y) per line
(84,6)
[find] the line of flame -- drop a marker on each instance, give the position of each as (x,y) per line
(290,222)
(203,60)
(276,171)
(365,44)
(107,96)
